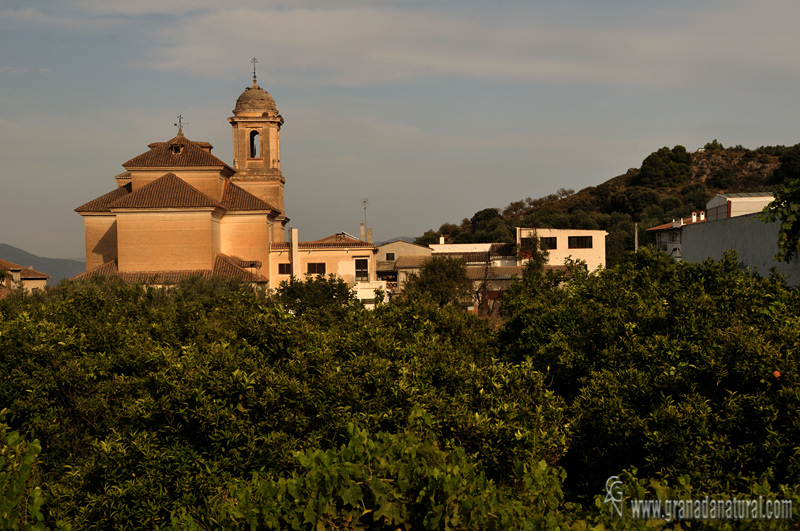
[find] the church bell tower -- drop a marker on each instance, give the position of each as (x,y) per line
(257,149)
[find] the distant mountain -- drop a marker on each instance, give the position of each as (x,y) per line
(57,268)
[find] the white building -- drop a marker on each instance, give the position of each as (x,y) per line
(576,244)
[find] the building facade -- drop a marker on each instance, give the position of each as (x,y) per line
(179,211)
(560,244)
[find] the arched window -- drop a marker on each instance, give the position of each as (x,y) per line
(254,145)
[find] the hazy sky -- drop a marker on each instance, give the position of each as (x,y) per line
(431,110)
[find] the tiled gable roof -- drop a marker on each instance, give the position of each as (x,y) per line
(161,155)
(5,265)
(101,203)
(235,198)
(28,273)
(410,262)
(25,273)
(168,191)
(494,273)
(341,240)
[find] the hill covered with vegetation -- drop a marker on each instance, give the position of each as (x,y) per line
(209,406)
(670,184)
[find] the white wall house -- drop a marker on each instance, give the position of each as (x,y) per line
(755,243)
(577,244)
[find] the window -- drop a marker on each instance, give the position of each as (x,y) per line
(254,144)
(362,270)
(390,256)
(580,242)
(550,242)
(316,268)
(284,269)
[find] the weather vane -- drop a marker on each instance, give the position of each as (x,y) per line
(180,124)
(254,61)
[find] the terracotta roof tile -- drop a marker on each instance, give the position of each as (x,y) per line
(161,155)
(124,175)
(5,265)
(224,266)
(669,226)
(410,262)
(229,267)
(235,198)
(101,203)
(25,273)
(337,241)
(28,273)
(142,277)
(494,273)
(104,270)
(168,191)
(473,257)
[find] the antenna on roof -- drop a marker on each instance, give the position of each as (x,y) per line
(180,124)
(254,61)
(364,203)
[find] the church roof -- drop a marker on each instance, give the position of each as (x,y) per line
(224,266)
(256,99)
(230,267)
(101,203)
(168,191)
(235,198)
(179,152)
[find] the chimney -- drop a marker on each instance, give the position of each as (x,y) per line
(369,235)
(702,215)
(361,233)
(441,240)
(294,256)
(694,217)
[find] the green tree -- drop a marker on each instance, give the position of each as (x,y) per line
(786,209)
(440,280)
(665,167)
(315,293)
(789,170)
(428,238)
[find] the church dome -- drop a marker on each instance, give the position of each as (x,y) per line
(255,99)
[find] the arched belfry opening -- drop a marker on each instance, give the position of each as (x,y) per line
(256,126)
(255,140)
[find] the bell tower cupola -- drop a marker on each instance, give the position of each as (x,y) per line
(257,146)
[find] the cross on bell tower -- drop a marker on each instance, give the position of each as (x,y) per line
(257,148)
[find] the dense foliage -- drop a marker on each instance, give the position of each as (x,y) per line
(441,280)
(210,406)
(786,210)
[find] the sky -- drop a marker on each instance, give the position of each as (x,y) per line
(431,110)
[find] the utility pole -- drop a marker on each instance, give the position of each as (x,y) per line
(636,236)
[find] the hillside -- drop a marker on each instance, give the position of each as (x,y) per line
(670,184)
(57,268)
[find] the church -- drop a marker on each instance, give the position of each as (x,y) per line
(179,211)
